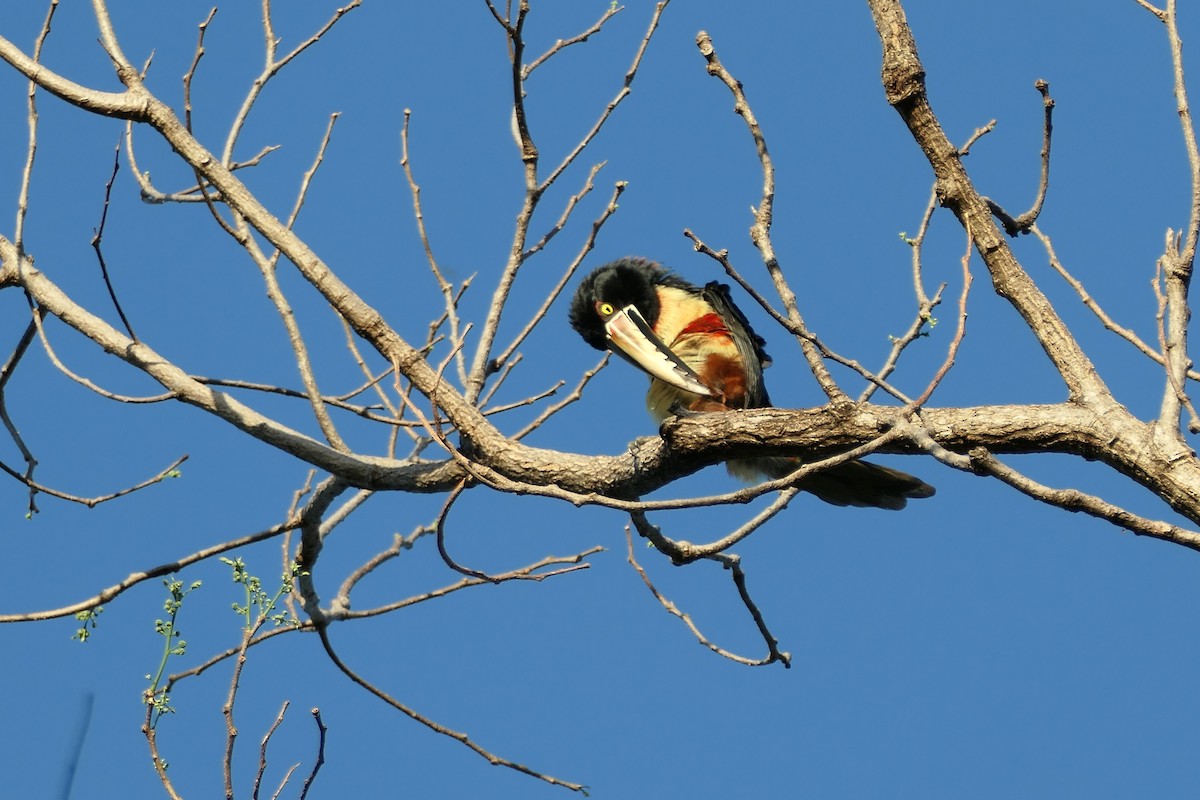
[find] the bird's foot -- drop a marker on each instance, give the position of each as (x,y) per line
(678,409)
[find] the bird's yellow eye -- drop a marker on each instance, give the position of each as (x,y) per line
(605,309)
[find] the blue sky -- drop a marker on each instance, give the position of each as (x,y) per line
(976,644)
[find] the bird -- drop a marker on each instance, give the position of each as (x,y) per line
(702,356)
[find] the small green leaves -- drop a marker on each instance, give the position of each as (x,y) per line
(87,619)
(173,645)
(258,599)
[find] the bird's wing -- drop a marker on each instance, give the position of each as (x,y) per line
(749,344)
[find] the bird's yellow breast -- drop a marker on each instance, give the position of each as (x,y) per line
(699,349)
(677,309)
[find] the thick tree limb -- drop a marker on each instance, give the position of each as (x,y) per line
(904,86)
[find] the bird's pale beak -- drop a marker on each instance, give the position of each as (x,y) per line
(630,337)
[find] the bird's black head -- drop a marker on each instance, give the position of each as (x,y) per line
(627,281)
(617,307)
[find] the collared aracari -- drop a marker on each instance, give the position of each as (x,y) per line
(702,355)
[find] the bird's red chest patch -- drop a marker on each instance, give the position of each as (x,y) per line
(709,323)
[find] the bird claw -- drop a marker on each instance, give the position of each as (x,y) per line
(678,409)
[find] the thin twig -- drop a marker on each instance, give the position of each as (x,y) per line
(925,306)
(97,240)
(773,654)
(576,394)
(342,513)
(722,258)
(444,286)
(1094,306)
(231,730)
(1156,11)
(458,736)
(760,231)
(502,375)
(924,317)
(6,372)
(626,88)
(1073,500)
(188,76)
(337,401)
(262,748)
(568,273)
(529,572)
(283,782)
(686,618)
(504,21)
(1022,223)
(342,599)
(306,626)
(192,194)
(1176,396)
(396,412)
(483,363)
(978,134)
(321,731)
(92,502)
(267,266)
(923,320)
(528,401)
(160,766)
(32,119)
(440,528)
(86,382)
(734,564)
(272,68)
(559,45)
(960,332)
(155,572)
(572,201)
(1187,253)
(745,529)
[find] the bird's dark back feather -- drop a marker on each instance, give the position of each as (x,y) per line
(749,344)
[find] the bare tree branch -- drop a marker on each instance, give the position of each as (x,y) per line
(1022,223)
(904,87)
(320,760)
(161,570)
(760,231)
(92,502)
(774,655)
(31,152)
(436,727)
(561,44)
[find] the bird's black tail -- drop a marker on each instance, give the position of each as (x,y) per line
(855,483)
